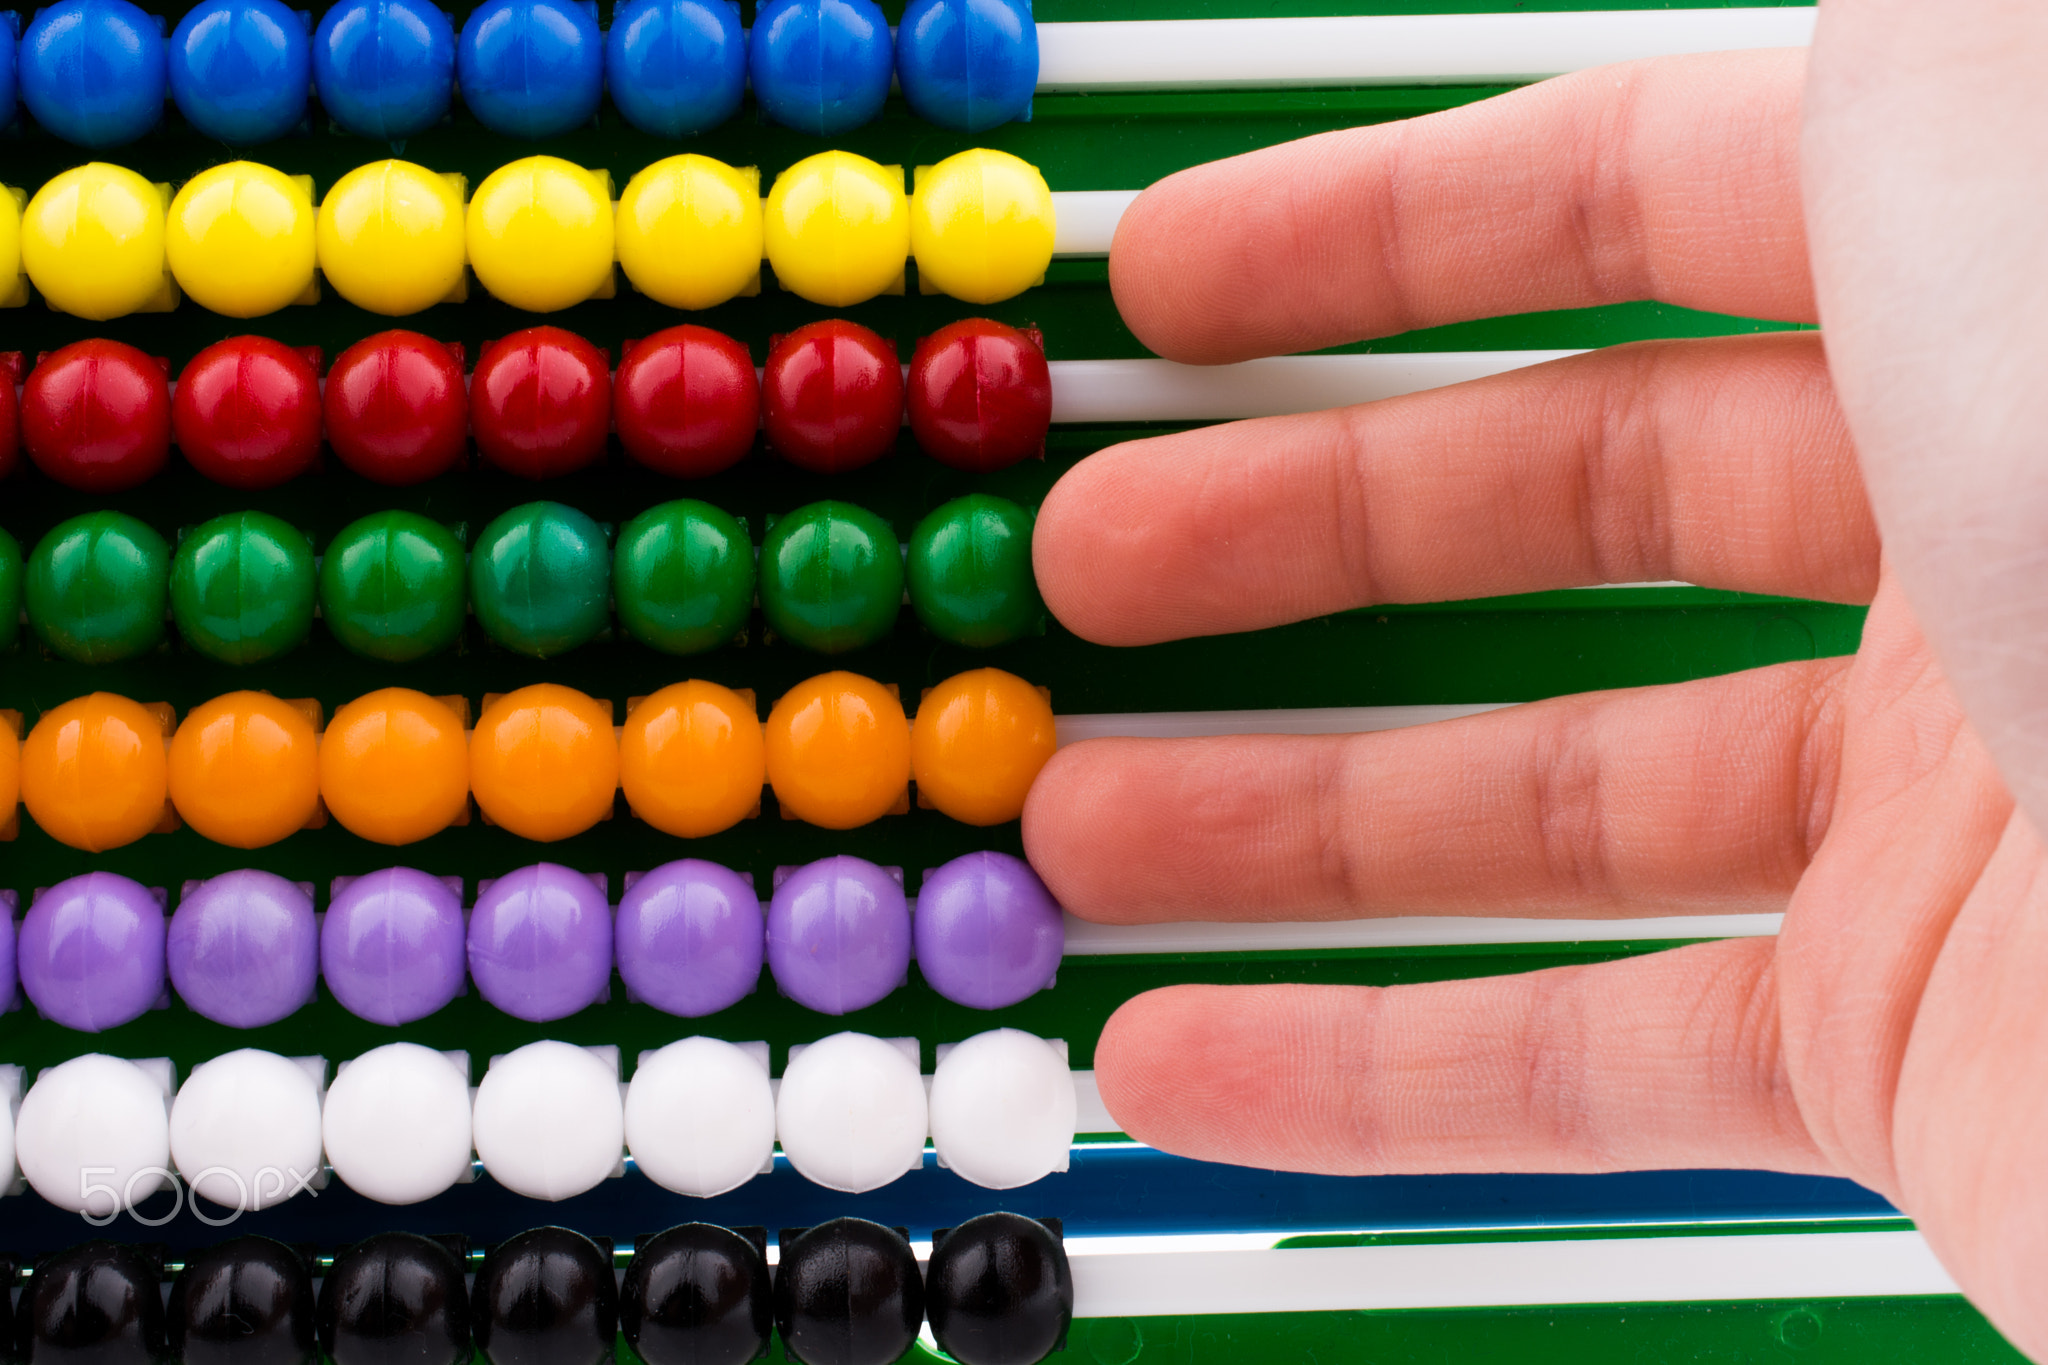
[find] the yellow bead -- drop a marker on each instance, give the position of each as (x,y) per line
(394,766)
(544,762)
(838,751)
(690,231)
(93,772)
(838,229)
(245,769)
(13,283)
(92,241)
(540,234)
(691,759)
(981,226)
(389,238)
(240,239)
(979,741)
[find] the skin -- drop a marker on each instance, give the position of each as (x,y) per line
(1892,1032)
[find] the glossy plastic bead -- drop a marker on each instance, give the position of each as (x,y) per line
(832,396)
(689,228)
(242,588)
(848,1293)
(543,762)
(689,938)
(240,69)
(245,1129)
(1003,1109)
(245,769)
(397,1129)
(980,396)
(540,402)
(838,751)
(94,774)
(396,410)
(10,91)
(531,68)
(676,67)
(969,572)
(392,586)
(92,241)
(692,760)
(831,577)
(392,947)
(96,416)
(977,746)
(540,943)
(968,64)
(546,1297)
(395,1299)
(696,1295)
(839,935)
(981,226)
(821,66)
(10,799)
(837,228)
(247,412)
(385,68)
(683,574)
(687,402)
(389,237)
(540,579)
(248,1301)
(850,1114)
(92,72)
(92,1137)
(988,933)
(239,239)
(244,949)
(549,1125)
(91,954)
(96,587)
(540,234)
(700,1117)
(394,766)
(999,1291)
(95,1304)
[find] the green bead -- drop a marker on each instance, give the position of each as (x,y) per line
(540,579)
(684,576)
(96,586)
(10,590)
(391,587)
(970,572)
(242,588)
(831,577)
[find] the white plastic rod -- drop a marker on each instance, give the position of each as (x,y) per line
(1084,221)
(1400,931)
(1317,720)
(1432,49)
(1091,391)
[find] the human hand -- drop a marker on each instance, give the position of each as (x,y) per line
(1892,1033)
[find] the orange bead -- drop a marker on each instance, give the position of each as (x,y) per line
(10,770)
(245,769)
(838,750)
(691,759)
(979,741)
(394,766)
(93,772)
(544,762)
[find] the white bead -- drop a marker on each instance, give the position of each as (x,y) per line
(1003,1109)
(245,1129)
(549,1121)
(851,1113)
(700,1117)
(94,1135)
(397,1124)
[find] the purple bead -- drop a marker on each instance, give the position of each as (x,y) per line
(391,948)
(690,938)
(92,951)
(540,943)
(244,950)
(988,932)
(7,977)
(838,935)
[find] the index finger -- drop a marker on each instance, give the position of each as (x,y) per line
(1675,179)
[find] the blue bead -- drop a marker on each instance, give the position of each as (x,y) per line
(385,68)
(92,71)
(676,67)
(968,64)
(821,66)
(10,34)
(240,69)
(531,68)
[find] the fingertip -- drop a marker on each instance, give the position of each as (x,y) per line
(1169,307)
(1150,1048)
(1065,804)
(1087,546)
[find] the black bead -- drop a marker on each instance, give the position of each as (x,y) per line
(96,1304)
(395,1299)
(696,1295)
(1000,1291)
(847,1293)
(547,1297)
(245,1302)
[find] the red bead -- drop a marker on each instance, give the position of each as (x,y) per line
(980,396)
(540,402)
(247,412)
(687,402)
(396,409)
(10,413)
(96,416)
(832,396)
